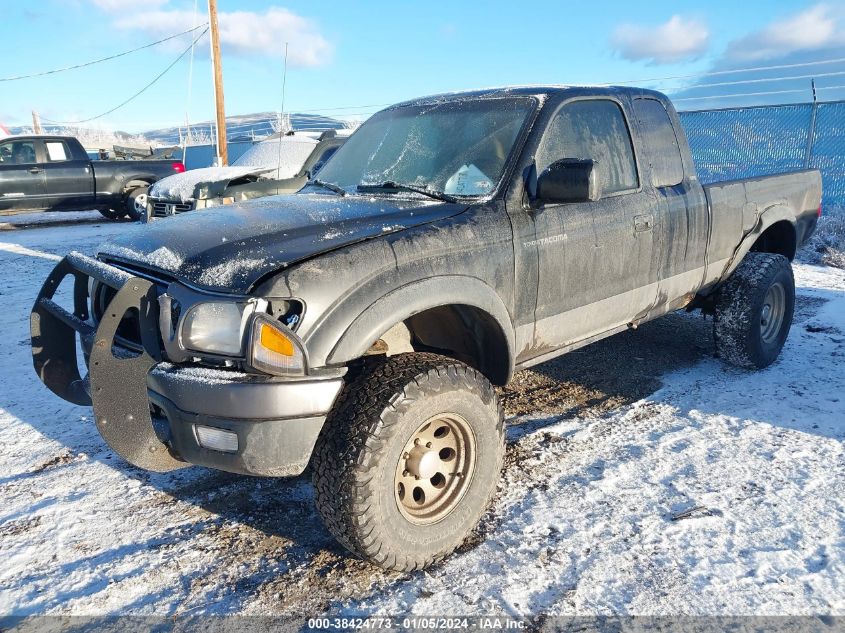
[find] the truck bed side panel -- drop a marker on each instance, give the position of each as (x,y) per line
(742,209)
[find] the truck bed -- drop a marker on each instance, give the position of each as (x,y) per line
(749,206)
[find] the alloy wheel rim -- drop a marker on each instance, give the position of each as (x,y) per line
(434,469)
(772,313)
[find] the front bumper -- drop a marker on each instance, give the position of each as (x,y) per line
(276,423)
(148,410)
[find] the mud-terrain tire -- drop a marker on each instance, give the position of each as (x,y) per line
(373,477)
(136,203)
(754,311)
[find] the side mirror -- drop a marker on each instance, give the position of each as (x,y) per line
(569,180)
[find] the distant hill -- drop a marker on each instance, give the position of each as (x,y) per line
(239,128)
(246,127)
(91,138)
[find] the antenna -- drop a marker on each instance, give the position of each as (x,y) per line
(187,139)
(281,122)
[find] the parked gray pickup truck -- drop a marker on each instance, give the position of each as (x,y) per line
(360,324)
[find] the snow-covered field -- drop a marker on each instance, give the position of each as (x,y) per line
(720,492)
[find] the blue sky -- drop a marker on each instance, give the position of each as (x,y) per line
(353,54)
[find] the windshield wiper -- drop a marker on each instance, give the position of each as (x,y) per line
(327,185)
(389,184)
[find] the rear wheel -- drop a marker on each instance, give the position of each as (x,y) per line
(754,311)
(409,459)
(136,203)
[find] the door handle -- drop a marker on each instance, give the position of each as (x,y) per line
(643,223)
(34,170)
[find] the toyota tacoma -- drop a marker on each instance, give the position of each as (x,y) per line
(360,325)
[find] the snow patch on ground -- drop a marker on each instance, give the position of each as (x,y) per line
(827,244)
(48,217)
(17,249)
(720,493)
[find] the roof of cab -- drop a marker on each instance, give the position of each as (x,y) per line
(544,91)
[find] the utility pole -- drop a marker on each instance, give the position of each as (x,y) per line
(222,146)
(36,123)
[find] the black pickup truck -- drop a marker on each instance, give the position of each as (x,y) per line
(55,173)
(360,324)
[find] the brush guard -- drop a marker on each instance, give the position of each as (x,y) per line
(116,384)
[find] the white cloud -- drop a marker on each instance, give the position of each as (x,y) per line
(677,40)
(813,29)
(243,33)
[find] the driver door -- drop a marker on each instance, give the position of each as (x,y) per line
(22,182)
(596,259)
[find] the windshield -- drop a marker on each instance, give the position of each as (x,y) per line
(454,147)
(289,159)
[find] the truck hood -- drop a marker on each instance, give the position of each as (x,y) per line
(228,249)
(183,187)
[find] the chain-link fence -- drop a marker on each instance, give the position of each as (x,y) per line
(745,142)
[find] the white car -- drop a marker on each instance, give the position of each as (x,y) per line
(274,166)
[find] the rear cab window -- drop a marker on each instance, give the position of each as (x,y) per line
(57,151)
(593,129)
(659,142)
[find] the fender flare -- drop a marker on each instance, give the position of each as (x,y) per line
(120,177)
(770,216)
(413,298)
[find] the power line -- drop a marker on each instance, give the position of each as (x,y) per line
(140,92)
(355,107)
(744,94)
(729,72)
(763,80)
(103,59)
(652,79)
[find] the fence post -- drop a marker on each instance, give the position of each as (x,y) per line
(811,133)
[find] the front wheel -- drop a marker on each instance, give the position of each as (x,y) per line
(409,459)
(136,203)
(754,311)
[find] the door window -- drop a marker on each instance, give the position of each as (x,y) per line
(17,152)
(593,129)
(660,143)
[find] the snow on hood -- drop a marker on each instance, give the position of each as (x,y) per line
(229,248)
(181,187)
(274,159)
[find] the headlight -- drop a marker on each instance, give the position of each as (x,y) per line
(216,327)
(274,349)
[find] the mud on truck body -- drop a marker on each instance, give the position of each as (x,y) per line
(359,325)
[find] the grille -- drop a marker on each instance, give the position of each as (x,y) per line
(128,333)
(163,208)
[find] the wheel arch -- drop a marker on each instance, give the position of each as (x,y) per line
(774,232)
(134,183)
(455,315)
(779,238)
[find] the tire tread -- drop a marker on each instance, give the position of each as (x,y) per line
(346,456)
